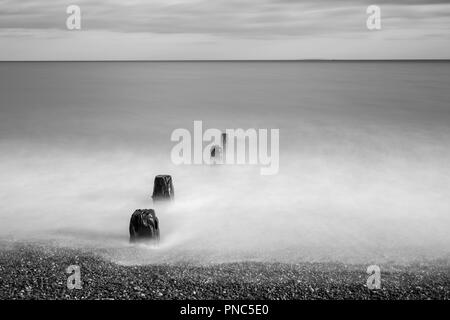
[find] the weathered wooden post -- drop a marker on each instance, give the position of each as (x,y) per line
(144,225)
(224,143)
(163,188)
(216,154)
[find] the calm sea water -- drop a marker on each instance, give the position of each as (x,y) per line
(364,158)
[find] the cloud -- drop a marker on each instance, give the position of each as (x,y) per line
(240,18)
(225,20)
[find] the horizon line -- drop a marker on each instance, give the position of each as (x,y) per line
(239,60)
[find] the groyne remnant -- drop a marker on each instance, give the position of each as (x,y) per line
(163,188)
(144,225)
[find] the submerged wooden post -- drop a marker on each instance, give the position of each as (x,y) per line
(163,188)
(144,225)
(224,143)
(216,154)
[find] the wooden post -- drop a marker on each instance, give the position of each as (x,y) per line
(224,142)
(144,225)
(224,148)
(216,154)
(163,188)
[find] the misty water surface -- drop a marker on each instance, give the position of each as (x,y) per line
(364,159)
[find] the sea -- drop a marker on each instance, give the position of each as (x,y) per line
(364,159)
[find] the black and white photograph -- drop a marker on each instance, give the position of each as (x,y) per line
(224,150)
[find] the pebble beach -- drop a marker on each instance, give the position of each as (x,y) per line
(31,271)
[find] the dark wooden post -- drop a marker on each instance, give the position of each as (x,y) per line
(224,142)
(144,225)
(216,154)
(163,188)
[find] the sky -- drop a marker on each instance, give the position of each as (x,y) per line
(224,29)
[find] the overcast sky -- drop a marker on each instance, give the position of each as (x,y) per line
(224,29)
